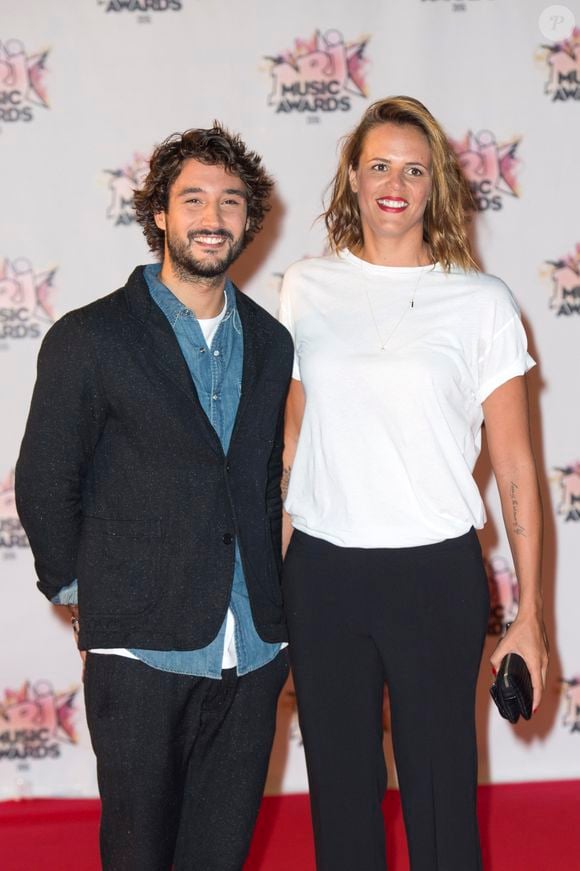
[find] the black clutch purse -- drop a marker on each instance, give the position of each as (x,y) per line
(512,689)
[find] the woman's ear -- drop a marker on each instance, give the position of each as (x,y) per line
(353,180)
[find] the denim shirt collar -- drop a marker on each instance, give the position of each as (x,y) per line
(171,306)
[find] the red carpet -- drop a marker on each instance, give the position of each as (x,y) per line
(525,827)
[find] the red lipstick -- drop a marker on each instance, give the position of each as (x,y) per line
(402,204)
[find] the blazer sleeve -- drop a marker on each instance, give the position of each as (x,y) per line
(273,492)
(65,421)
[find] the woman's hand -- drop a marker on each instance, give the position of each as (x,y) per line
(527,637)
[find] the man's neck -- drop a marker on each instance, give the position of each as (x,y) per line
(204,296)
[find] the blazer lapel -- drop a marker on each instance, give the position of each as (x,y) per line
(162,352)
(255,344)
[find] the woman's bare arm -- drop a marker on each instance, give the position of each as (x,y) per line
(292,424)
(506,416)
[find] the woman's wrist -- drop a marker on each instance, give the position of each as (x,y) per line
(531,609)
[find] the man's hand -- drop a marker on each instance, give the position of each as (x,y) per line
(74,619)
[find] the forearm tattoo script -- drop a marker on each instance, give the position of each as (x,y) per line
(516,525)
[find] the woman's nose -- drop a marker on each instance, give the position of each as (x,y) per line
(396,181)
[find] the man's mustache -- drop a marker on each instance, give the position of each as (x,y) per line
(193,234)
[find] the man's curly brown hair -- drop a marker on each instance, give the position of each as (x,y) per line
(214,147)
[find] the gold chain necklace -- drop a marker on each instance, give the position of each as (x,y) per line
(384,342)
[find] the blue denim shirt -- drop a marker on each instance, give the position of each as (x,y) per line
(217,375)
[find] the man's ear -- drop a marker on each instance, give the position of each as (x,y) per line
(353,180)
(159,218)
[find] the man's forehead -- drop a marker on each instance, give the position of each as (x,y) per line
(194,173)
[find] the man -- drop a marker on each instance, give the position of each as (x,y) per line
(149,480)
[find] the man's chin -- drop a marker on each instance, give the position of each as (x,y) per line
(211,268)
(211,265)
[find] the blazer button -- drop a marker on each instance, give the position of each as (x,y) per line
(228,467)
(227,538)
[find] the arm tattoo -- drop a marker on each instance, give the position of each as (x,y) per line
(516,525)
(285,481)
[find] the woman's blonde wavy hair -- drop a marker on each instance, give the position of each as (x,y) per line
(445,218)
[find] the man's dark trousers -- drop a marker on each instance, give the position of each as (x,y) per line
(123,484)
(181,762)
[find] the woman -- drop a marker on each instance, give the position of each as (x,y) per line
(403,350)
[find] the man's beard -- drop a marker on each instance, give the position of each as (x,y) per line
(187,267)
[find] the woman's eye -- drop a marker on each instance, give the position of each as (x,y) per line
(380,167)
(414,170)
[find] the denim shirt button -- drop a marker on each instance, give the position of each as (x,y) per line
(216,353)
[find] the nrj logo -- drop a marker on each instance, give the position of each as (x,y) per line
(320,74)
(568,480)
(25,299)
(12,535)
(563,62)
(141,6)
(21,82)
(503,593)
(122,185)
(565,278)
(489,167)
(571,689)
(35,721)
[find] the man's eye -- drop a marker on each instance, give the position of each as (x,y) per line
(232,202)
(193,200)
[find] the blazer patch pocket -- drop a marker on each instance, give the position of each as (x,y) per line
(118,566)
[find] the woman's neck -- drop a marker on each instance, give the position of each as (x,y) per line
(394,252)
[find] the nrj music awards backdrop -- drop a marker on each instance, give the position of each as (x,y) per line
(88,88)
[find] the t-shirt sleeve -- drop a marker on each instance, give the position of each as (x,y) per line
(504,351)
(285,317)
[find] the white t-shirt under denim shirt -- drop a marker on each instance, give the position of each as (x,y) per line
(390,437)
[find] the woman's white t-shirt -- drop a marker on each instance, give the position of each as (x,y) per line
(390,437)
